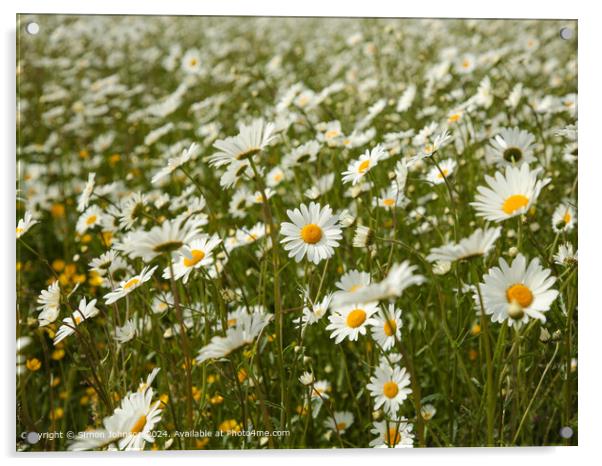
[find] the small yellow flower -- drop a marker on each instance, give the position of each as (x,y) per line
(57,413)
(58,354)
(58,265)
(33,364)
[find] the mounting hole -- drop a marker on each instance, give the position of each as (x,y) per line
(566,33)
(32,28)
(566,432)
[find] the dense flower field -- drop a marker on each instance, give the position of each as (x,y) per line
(242,233)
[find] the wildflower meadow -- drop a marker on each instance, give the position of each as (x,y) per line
(278,233)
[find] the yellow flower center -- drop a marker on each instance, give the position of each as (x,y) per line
(388,202)
(390,389)
(454,117)
(443,173)
(140,423)
(193,62)
(77,320)
(356,318)
(390,327)
(311,233)
(197,256)
(132,282)
(465,64)
(333,133)
(341,426)
(91,219)
(521,294)
(363,166)
(19,230)
(393,436)
(354,288)
(567,218)
(514,202)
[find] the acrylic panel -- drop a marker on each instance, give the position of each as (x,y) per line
(265,232)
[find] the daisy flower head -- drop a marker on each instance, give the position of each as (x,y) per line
(313,312)
(85,311)
(566,255)
(175,162)
(363,237)
(49,301)
(437,175)
(340,421)
(250,140)
(130,426)
(166,238)
(386,327)
(126,332)
(479,243)
(196,255)
(127,286)
(511,147)
(91,218)
(351,321)
(314,232)
(132,208)
(245,328)
(25,224)
(84,197)
(400,277)
(359,168)
(563,218)
(392,434)
(517,292)
(191,62)
(510,194)
(390,198)
(389,387)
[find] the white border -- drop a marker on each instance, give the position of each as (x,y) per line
(590,169)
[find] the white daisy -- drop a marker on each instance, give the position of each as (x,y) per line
(191,61)
(351,321)
(517,292)
(126,332)
(511,147)
(386,327)
(341,422)
(127,286)
(175,162)
(244,331)
(25,224)
(130,426)
(315,232)
(85,311)
(314,312)
(49,301)
(359,168)
(92,217)
(197,254)
(389,387)
(400,277)
(510,194)
(169,237)
(566,255)
(563,218)
(438,175)
(477,244)
(250,140)
(84,197)
(393,434)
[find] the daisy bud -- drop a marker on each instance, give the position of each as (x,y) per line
(328,369)
(556,336)
(544,335)
(307,378)
(377,415)
(306,359)
(534,227)
(513,251)
(515,311)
